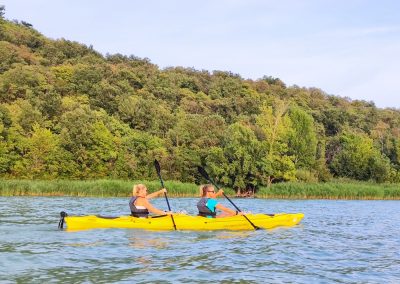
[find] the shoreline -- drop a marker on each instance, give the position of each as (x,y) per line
(339,190)
(372,198)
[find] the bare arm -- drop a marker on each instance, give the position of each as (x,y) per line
(152,209)
(225,209)
(156,193)
(219,193)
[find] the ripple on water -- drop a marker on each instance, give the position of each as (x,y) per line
(338,241)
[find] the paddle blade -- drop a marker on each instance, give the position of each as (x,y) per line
(203,172)
(157,166)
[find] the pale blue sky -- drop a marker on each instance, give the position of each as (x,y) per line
(346,48)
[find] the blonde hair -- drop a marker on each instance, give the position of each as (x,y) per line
(201,189)
(204,188)
(136,188)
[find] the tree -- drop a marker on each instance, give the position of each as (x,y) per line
(23,82)
(112,115)
(322,171)
(104,95)
(333,119)
(2,11)
(275,128)
(302,140)
(26,24)
(358,159)
(380,133)
(189,141)
(76,128)
(5,157)
(143,148)
(146,114)
(85,77)
(274,81)
(41,157)
(9,55)
(101,154)
(235,162)
(24,115)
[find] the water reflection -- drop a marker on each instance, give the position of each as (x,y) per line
(86,244)
(142,239)
(225,235)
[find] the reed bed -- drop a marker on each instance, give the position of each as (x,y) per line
(331,190)
(123,188)
(92,188)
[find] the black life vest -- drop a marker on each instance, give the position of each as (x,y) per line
(135,212)
(204,210)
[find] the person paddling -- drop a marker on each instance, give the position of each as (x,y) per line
(140,205)
(208,205)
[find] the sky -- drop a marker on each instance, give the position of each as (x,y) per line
(347,48)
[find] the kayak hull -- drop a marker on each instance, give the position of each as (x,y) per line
(184,222)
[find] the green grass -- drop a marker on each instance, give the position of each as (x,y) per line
(123,188)
(331,190)
(102,188)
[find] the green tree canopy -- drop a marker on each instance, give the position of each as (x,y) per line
(67,111)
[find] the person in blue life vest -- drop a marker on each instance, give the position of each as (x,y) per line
(140,205)
(208,205)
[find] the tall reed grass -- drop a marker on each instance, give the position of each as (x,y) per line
(331,190)
(123,188)
(101,188)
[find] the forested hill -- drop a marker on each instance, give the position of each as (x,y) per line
(66,111)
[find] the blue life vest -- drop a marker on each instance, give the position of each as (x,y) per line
(135,211)
(204,210)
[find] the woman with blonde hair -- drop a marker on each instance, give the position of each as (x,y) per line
(140,205)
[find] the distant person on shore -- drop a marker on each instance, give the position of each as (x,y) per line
(208,205)
(140,205)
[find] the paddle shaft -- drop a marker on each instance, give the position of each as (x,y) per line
(204,173)
(165,194)
(157,165)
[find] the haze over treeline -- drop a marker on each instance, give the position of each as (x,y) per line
(66,111)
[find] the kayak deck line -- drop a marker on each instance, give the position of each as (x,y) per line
(182,222)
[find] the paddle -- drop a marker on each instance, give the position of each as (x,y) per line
(158,169)
(203,172)
(61,223)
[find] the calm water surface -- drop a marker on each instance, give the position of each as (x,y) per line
(337,242)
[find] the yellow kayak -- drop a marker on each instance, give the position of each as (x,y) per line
(183,222)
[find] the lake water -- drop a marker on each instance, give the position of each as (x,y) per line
(337,242)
